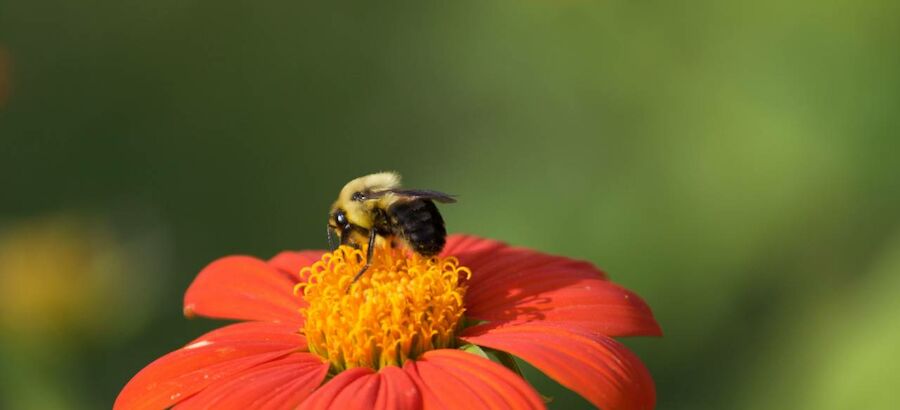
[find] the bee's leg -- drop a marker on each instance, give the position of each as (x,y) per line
(369,253)
(331,245)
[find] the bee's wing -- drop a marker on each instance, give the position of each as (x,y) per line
(415,194)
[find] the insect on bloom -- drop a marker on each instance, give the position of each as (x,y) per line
(374,209)
(402,335)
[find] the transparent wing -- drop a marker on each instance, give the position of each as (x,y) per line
(414,194)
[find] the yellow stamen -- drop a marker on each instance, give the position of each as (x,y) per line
(403,306)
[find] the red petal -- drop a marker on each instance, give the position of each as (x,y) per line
(453,379)
(280,384)
(521,285)
(361,388)
(212,357)
(494,263)
(473,247)
(291,262)
(244,288)
(595,366)
(594,304)
(398,391)
(283,333)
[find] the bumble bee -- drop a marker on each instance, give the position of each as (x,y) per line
(376,210)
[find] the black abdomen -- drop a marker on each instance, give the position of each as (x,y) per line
(420,224)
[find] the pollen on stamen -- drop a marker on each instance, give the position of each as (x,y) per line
(403,306)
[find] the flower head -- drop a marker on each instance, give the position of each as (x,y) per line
(311,338)
(405,306)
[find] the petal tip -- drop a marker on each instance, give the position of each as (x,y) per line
(189,311)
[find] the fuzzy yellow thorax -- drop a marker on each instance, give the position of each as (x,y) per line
(404,305)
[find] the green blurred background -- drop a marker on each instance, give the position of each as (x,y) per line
(734,164)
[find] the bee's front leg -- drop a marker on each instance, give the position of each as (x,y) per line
(369,252)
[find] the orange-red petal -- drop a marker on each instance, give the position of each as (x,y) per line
(499,258)
(511,284)
(471,250)
(453,379)
(593,365)
(281,384)
(243,288)
(273,332)
(594,304)
(361,388)
(290,262)
(211,358)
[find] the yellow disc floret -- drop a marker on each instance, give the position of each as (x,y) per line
(404,305)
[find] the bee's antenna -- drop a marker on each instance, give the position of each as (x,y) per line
(330,231)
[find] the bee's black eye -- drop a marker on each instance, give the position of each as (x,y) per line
(358,196)
(340,218)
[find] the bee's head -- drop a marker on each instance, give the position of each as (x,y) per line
(352,206)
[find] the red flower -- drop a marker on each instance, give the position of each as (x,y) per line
(556,313)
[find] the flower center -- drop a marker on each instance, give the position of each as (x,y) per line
(402,306)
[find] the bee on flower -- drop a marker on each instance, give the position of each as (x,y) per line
(402,337)
(374,209)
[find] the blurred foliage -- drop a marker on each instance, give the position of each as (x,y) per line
(735,164)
